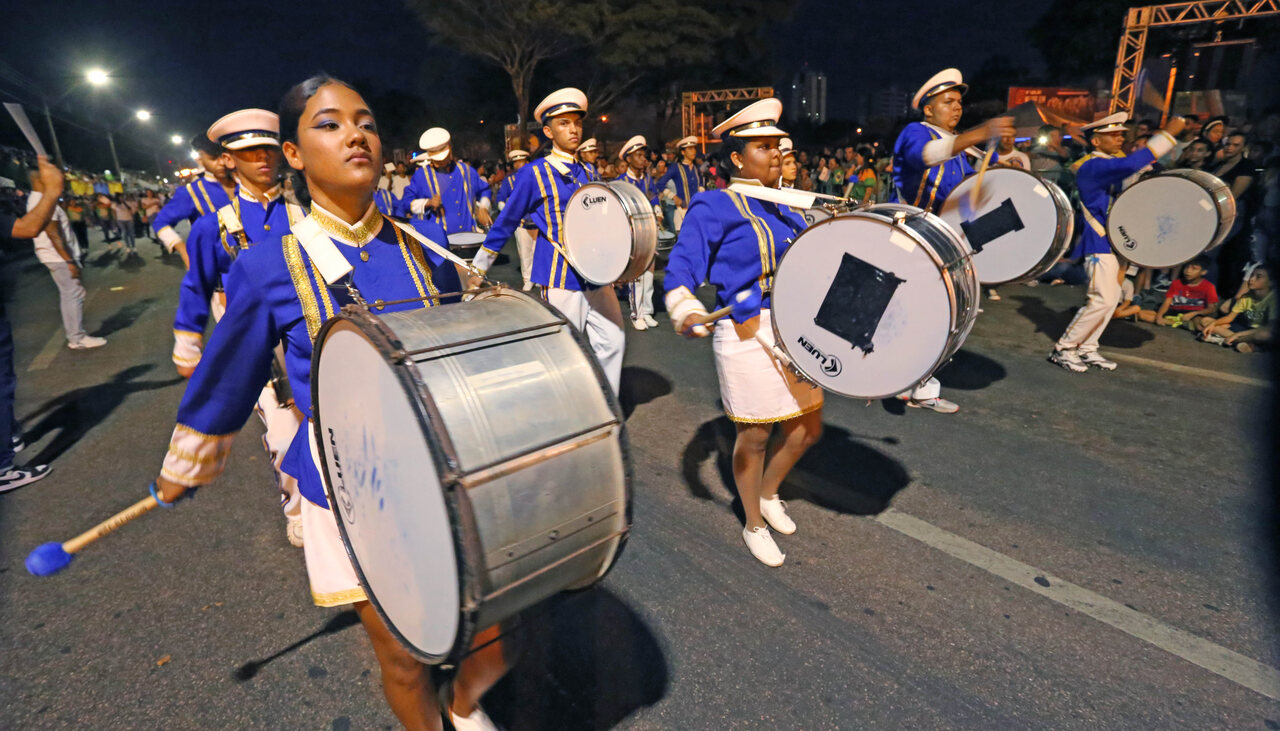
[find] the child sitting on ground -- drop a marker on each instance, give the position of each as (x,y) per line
(1248,325)
(1189,298)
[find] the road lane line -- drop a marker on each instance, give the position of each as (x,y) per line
(1216,659)
(57,341)
(1187,370)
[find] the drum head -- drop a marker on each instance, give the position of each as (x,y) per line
(1012,227)
(861,307)
(597,233)
(1163,221)
(385,490)
(466,239)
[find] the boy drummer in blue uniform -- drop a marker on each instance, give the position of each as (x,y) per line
(211,191)
(929,161)
(1099,178)
(682,179)
(635,153)
(250,140)
(541,194)
(446,189)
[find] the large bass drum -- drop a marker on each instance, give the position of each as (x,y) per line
(869,304)
(1020,227)
(1170,218)
(610,232)
(476,461)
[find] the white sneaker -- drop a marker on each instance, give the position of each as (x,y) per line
(86,342)
(1068,359)
(775,513)
(1096,360)
(13,478)
(527,286)
(640,324)
(293,530)
(761,544)
(477,721)
(648,320)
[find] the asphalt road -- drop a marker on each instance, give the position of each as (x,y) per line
(1068,551)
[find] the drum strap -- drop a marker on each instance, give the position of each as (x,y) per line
(436,248)
(1098,228)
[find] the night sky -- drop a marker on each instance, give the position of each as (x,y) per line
(190,63)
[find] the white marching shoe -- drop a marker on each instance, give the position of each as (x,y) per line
(761,544)
(477,721)
(775,513)
(650,321)
(293,530)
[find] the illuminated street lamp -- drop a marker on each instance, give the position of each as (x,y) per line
(176,139)
(142,115)
(97,77)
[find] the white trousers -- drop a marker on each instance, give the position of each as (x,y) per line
(1103,296)
(931,388)
(640,293)
(597,314)
(524,247)
(282,422)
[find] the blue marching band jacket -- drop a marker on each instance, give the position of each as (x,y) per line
(276,293)
(685,180)
(460,190)
(918,183)
(1099,179)
(733,242)
(540,194)
(190,202)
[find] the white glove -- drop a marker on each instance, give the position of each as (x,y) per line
(418,206)
(483,259)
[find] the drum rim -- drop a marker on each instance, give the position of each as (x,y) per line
(467,549)
(946,353)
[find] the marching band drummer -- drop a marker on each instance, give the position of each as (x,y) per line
(250,140)
(283,289)
(525,233)
(682,179)
(446,189)
(541,194)
(383,197)
(929,161)
(635,153)
(790,168)
(588,153)
(1099,177)
(734,242)
(206,194)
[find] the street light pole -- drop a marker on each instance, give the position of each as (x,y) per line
(57,149)
(115,160)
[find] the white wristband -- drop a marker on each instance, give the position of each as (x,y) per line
(483,259)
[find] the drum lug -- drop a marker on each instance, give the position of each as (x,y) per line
(400,357)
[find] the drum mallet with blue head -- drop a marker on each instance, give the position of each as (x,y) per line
(50,558)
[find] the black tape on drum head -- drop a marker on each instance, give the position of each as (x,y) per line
(992,225)
(856,301)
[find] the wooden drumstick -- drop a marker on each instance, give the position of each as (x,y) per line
(50,558)
(982,171)
(711,317)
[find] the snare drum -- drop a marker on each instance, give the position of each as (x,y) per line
(464,486)
(666,242)
(466,243)
(1170,218)
(870,303)
(1021,226)
(610,232)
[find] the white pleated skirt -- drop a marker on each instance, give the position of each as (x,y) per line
(754,386)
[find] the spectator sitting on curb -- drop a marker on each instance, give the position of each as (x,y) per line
(1249,322)
(1191,297)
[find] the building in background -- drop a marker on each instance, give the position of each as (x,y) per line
(808,97)
(891,103)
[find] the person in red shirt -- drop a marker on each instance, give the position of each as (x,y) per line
(1189,298)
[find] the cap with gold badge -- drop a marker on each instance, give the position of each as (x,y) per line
(563,101)
(759,119)
(246,128)
(635,143)
(944,80)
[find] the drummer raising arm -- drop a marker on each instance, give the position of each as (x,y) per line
(1098,179)
(449,189)
(929,161)
(734,242)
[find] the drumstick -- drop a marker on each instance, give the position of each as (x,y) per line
(50,558)
(711,317)
(982,171)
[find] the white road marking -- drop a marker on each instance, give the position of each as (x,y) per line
(57,341)
(45,357)
(1216,659)
(1188,370)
